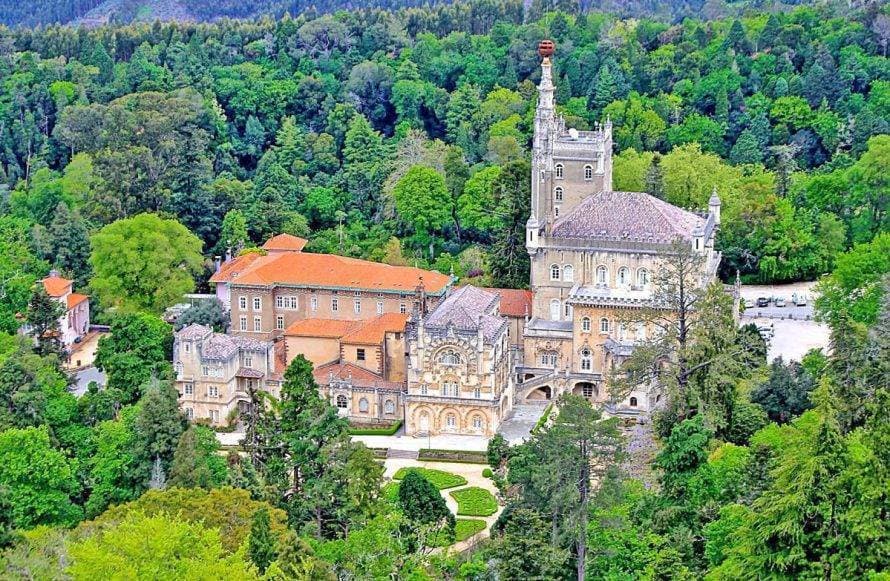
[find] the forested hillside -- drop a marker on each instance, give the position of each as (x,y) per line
(93,12)
(130,156)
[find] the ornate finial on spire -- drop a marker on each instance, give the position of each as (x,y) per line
(546,48)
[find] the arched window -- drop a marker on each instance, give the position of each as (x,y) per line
(602,275)
(449,357)
(622,331)
(587,389)
(477,422)
(642,277)
(554,310)
(548,359)
(588,172)
(585,359)
(559,171)
(363,405)
(567,312)
(568,273)
(558,194)
(451,421)
(554,272)
(604,325)
(389,406)
(585,324)
(633,402)
(623,277)
(342,402)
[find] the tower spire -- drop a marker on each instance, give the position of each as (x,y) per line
(545,88)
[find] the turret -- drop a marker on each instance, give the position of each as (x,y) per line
(714,206)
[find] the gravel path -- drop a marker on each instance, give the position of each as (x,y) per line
(473,474)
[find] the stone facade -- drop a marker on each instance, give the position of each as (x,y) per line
(215,373)
(459,366)
(358,365)
(593,254)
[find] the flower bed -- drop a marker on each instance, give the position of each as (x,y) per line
(439,478)
(475,501)
(379,431)
(461,456)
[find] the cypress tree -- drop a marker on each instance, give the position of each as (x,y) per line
(261,545)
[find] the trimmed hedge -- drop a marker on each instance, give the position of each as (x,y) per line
(387,431)
(475,501)
(439,478)
(465,528)
(487,473)
(459,456)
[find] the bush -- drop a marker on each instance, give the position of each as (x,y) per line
(475,501)
(487,473)
(543,419)
(467,527)
(381,431)
(390,492)
(498,451)
(438,478)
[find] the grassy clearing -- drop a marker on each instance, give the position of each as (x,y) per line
(467,527)
(475,501)
(439,478)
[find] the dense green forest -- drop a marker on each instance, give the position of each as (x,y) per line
(130,156)
(92,12)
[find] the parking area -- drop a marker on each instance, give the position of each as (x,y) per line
(793,328)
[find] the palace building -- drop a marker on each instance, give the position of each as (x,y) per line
(398,343)
(593,253)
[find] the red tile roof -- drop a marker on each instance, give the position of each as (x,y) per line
(285,242)
(514,302)
(358,376)
(56,286)
(331,271)
(368,332)
(374,331)
(75,299)
(328,328)
(232,268)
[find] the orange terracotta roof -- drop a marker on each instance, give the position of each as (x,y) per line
(374,331)
(285,242)
(327,328)
(358,376)
(75,299)
(332,271)
(56,286)
(231,268)
(514,302)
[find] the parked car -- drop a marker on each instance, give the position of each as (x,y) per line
(780,302)
(762,302)
(801,301)
(749,303)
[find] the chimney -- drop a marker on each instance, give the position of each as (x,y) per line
(53,273)
(217,262)
(228,253)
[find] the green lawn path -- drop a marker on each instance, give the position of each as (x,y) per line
(475,501)
(439,478)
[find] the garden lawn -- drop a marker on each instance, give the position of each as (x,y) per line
(475,501)
(439,478)
(466,528)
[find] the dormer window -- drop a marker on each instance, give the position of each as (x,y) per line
(559,170)
(557,194)
(588,172)
(554,272)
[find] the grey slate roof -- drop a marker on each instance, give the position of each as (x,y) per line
(634,216)
(466,309)
(218,345)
